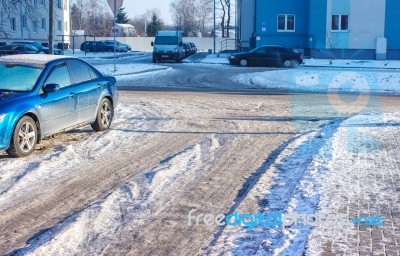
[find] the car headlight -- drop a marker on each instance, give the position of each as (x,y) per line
(176,50)
(2,116)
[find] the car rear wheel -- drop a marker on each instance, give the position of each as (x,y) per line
(104,116)
(295,63)
(24,138)
(243,63)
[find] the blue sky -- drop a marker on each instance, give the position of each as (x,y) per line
(135,8)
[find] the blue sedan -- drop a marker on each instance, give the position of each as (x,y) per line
(41,95)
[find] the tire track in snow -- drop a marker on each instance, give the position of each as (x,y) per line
(285,195)
(135,201)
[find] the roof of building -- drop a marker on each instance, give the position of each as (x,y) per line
(125,25)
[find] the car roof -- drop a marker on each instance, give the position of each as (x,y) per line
(39,59)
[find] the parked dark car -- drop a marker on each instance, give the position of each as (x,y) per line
(186,49)
(98,46)
(193,47)
(42,95)
(120,46)
(38,45)
(267,56)
(18,49)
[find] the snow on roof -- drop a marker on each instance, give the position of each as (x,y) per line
(31,58)
(125,25)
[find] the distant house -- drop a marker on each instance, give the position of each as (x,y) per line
(122,30)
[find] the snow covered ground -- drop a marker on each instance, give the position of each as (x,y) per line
(337,169)
(347,169)
(216,59)
(324,80)
(172,153)
(379,64)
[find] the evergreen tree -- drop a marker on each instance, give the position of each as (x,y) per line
(155,25)
(122,17)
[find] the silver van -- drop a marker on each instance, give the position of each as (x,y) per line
(168,45)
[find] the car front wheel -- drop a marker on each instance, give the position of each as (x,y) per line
(24,138)
(243,63)
(287,63)
(104,116)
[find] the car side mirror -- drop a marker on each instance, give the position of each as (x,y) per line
(152,44)
(48,88)
(180,44)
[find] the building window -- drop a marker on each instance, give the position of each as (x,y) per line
(59,4)
(24,23)
(35,26)
(34,2)
(59,25)
(340,23)
(43,2)
(286,22)
(13,24)
(43,23)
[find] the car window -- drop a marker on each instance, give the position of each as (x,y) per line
(15,77)
(30,47)
(275,50)
(261,51)
(93,75)
(59,75)
(80,72)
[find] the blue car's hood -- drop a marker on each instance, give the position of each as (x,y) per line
(7,97)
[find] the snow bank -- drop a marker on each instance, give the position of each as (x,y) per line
(324,81)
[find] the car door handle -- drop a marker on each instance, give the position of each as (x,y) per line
(72,95)
(99,86)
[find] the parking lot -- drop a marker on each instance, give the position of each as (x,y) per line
(187,137)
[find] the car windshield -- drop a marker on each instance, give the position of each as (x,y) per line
(167,40)
(18,77)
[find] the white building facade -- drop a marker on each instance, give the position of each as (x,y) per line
(29,20)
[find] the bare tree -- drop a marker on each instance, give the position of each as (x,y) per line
(192,16)
(223,15)
(140,23)
(183,13)
(226,9)
(9,8)
(228,20)
(204,15)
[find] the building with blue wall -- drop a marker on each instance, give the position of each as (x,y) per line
(356,29)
